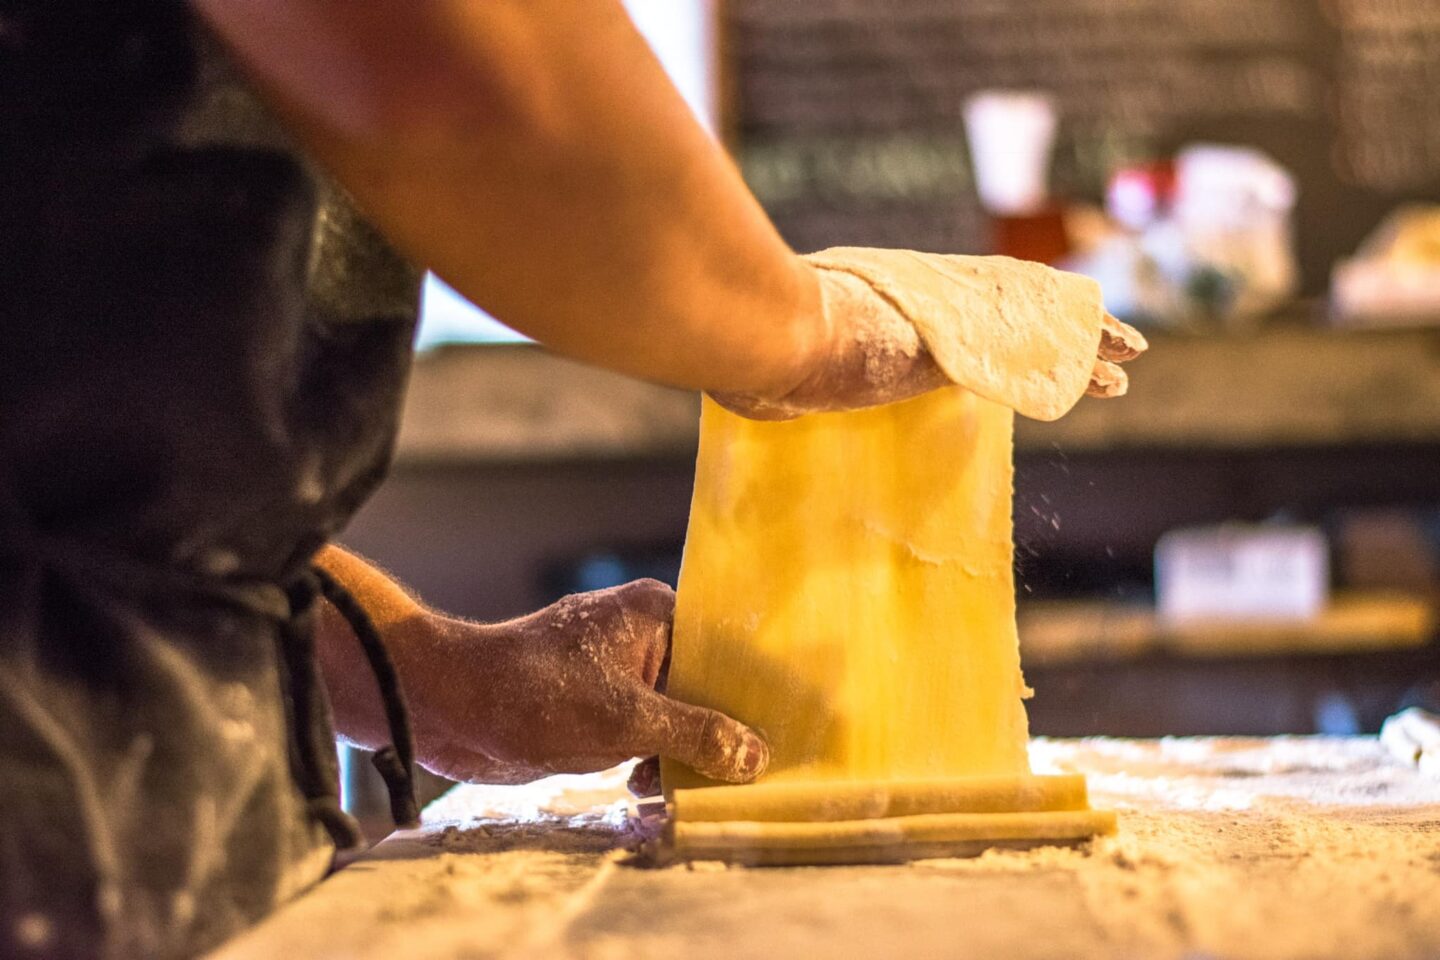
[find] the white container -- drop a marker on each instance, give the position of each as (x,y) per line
(1242,572)
(1011,135)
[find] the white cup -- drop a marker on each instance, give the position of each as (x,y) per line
(1011,134)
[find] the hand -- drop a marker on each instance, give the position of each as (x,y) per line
(569,689)
(902,323)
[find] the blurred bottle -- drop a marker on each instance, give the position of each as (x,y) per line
(1139,199)
(1141,194)
(1012,136)
(1202,242)
(1236,257)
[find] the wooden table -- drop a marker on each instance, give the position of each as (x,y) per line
(1250,848)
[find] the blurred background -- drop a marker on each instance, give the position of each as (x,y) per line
(1248,544)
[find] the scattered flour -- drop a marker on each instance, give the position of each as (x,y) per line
(1267,849)
(1283,849)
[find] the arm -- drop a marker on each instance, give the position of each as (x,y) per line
(568,689)
(533,153)
(412,638)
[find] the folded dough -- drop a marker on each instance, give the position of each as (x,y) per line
(1019,333)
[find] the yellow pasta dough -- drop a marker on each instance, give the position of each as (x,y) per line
(887,840)
(868,800)
(847,590)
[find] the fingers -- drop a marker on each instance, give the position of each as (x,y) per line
(1120,342)
(1107,380)
(657,601)
(707,741)
(645,778)
(647,609)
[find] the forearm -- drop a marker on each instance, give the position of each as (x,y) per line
(443,664)
(533,154)
(409,633)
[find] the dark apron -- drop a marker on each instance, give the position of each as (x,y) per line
(202,353)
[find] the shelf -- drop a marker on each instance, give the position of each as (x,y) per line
(1057,632)
(1288,387)
(511,403)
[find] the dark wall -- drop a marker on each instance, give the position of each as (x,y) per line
(495,541)
(849,111)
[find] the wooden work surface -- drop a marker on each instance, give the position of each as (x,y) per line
(1263,848)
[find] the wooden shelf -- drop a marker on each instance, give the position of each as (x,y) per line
(1286,387)
(1055,632)
(515,403)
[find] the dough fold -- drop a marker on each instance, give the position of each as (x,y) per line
(1019,333)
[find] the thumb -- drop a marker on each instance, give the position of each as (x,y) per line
(707,741)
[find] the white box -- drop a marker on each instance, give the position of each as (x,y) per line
(1242,572)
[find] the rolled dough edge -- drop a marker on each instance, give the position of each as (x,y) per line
(886,840)
(834,801)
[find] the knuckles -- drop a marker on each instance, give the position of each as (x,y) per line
(648,597)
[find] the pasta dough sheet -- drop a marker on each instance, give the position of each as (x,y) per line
(847,590)
(801,802)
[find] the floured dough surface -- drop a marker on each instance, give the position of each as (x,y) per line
(1018,333)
